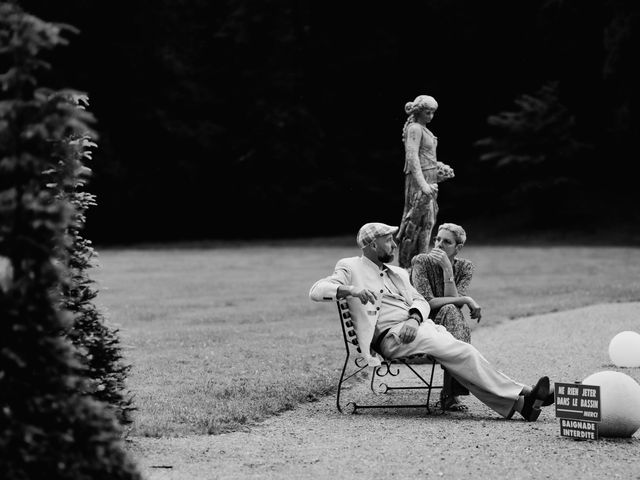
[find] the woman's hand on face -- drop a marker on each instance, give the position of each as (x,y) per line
(440,257)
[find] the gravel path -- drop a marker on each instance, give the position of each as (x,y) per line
(316,442)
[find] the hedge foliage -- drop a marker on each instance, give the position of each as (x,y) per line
(49,428)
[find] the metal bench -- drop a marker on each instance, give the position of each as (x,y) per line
(356,363)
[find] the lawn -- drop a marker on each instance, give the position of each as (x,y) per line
(222,337)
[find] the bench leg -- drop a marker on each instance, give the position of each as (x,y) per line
(351,406)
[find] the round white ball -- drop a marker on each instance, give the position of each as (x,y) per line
(624,349)
(619,403)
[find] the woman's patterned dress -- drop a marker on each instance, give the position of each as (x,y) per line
(427,278)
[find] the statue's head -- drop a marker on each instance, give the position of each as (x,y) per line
(422,102)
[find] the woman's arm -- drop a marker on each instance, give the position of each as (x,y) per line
(464,273)
(419,276)
(452,294)
(463,280)
(440,258)
(437,302)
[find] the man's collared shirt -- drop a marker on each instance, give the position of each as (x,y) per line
(394,307)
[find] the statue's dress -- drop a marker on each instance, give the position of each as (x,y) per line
(420,210)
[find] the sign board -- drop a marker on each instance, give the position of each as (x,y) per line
(578,407)
(577,401)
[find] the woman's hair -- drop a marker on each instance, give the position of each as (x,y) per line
(422,102)
(457,231)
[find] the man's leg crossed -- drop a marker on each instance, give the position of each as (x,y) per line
(463,361)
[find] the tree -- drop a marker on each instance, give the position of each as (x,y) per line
(97,343)
(48,427)
(538,144)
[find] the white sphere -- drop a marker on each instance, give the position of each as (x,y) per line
(619,403)
(624,349)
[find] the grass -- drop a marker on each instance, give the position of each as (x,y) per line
(220,338)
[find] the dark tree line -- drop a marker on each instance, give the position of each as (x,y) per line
(284,118)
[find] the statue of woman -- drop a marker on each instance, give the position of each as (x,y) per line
(422,174)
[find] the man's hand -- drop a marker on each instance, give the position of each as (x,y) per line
(364,294)
(408,331)
(474,308)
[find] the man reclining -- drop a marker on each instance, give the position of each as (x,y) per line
(391,317)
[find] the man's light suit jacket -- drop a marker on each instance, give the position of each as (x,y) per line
(363,273)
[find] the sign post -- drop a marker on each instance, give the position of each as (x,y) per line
(578,408)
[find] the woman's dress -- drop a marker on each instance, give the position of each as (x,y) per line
(427,278)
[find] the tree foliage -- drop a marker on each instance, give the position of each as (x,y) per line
(537,143)
(97,343)
(264,116)
(540,133)
(48,427)
(550,155)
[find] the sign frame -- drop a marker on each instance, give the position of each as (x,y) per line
(578,407)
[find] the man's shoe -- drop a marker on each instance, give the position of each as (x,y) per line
(534,400)
(550,398)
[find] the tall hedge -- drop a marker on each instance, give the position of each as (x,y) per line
(97,342)
(48,427)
